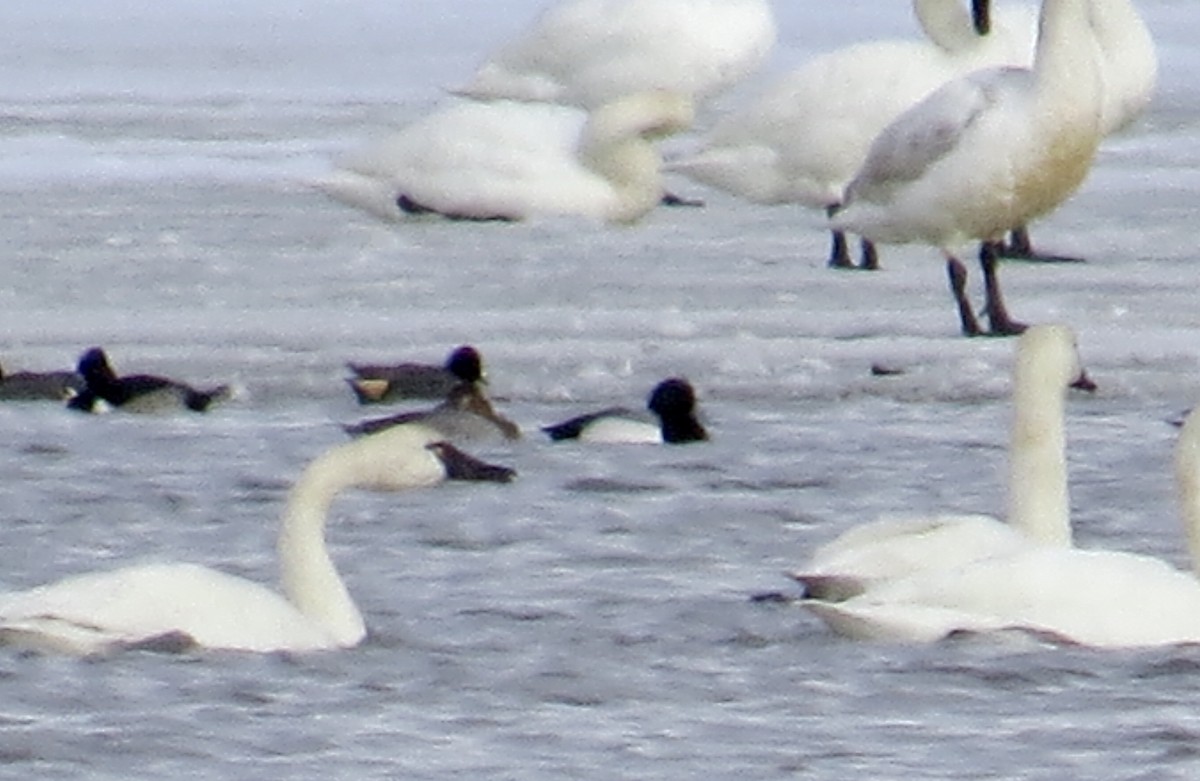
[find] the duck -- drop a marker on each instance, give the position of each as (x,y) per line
(673,403)
(135,392)
(589,52)
(1046,366)
(465,416)
(378,383)
(803,138)
(185,606)
(984,154)
(39,386)
(509,161)
(1102,599)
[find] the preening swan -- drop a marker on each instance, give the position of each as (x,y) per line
(190,605)
(673,403)
(803,139)
(985,154)
(136,392)
(589,52)
(513,161)
(377,383)
(1105,599)
(1047,364)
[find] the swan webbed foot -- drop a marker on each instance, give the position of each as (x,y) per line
(1020,247)
(674,200)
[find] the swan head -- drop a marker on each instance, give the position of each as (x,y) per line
(408,455)
(1050,353)
(651,115)
(1187,482)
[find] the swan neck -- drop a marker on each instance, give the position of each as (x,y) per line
(1187,483)
(309,578)
(1038,497)
(946,24)
(1067,58)
(631,166)
(616,144)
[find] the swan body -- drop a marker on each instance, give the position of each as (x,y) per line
(375,383)
(589,52)
(1128,61)
(1106,599)
(1047,364)
(191,605)
(803,139)
(986,153)
(514,161)
(465,416)
(672,402)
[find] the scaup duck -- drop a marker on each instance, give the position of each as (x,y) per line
(136,392)
(673,403)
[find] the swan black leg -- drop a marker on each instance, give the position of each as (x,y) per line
(839,254)
(997,314)
(957,273)
(870,256)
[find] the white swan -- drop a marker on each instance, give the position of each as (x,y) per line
(1128,59)
(1130,63)
(985,154)
(182,605)
(1105,599)
(1129,70)
(512,161)
(803,139)
(589,52)
(1047,364)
